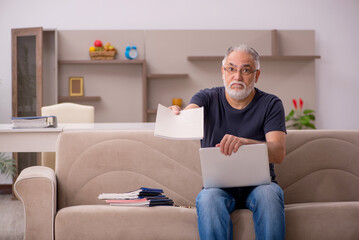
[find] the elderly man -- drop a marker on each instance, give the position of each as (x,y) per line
(234,115)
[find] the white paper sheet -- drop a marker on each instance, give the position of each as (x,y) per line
(188,125)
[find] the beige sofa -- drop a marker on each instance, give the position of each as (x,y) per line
(320,178)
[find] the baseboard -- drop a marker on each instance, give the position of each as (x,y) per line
(5,188)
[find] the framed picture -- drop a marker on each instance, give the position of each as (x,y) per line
(76,86)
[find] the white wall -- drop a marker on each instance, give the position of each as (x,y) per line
(334,21)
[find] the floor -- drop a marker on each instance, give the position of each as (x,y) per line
(11,218)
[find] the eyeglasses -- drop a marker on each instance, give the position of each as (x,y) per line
(244,71)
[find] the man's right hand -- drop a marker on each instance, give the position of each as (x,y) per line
(175,109)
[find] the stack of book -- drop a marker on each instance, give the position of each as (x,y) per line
(34,122)
(145,197)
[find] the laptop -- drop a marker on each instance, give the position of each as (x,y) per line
(249,166)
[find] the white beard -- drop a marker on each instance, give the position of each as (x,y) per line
(238,94)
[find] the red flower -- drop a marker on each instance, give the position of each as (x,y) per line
(300,103)
(295,103)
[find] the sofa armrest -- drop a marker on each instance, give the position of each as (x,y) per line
(36,188)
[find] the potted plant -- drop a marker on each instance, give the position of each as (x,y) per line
(7,165)
(299,118)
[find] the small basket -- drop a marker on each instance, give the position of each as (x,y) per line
(102,55)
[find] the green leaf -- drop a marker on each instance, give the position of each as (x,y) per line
(290,115)
(289,126)
(310,125)
(7,165)
(308,111)
(294,126)
(304,120)
(312,117)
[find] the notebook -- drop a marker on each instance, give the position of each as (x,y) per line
(249,166)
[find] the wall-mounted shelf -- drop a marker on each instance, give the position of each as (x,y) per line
(101,61)
(83,98)
(275,56)
(151,111)
(170,75)
(164,76)
(290,58)
(180,77)
(278,58)
(140,62)
(204,58)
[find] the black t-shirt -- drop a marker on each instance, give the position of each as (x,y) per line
(265,113)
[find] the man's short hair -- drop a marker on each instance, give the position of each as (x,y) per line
(243,48)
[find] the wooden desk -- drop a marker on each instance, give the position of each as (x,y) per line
(44,139)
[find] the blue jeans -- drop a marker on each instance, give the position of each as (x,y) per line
(214,206)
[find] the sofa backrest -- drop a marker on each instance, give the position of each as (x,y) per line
(320,166)
(90,163)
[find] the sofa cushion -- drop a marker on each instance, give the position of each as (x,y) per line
(90,163)
(113,222)
(243,225)
(303,221)
(328,220)
(320,166)
(325,220)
